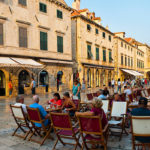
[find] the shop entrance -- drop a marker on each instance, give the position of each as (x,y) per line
(59,79)
(44,80)
(24,81)
(2,84)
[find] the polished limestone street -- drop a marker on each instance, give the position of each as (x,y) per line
(8,125)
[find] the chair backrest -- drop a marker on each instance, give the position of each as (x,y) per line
(143,94)
(105,105)
(140,125)
(131,97)
(94,94)
(61,121)
(90,97)
(34,115)
(77,103)
(90,124)
(123,97)
(146,93)
(118,109)
(148,90)
(17,112)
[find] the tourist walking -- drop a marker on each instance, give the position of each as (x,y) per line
(33,85)
(119,85)
(76,90)
(10,86)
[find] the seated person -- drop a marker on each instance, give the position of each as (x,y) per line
(56,102)
(106,92)
(127,91)
(43,113)
(142,111)
(96,111)
(20,102)
(102,96)
(117,97)
(68,104)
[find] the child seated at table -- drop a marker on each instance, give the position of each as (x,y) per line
(56,101)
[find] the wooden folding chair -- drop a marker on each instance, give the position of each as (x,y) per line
(140,127)
(105,106)
(21,121)
(118,117)
(92,132)
(77,104)
(63,128)
(89,96)
(143,93)
(123,97)
(94,94)
(35,117)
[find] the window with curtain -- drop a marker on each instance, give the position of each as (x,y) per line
(125,61)
(104,55)
(89,52)
(23,40)
(22,2)
(1,34)
(89,78)
(97,53)
(43,41)
(60,44)
(59,14)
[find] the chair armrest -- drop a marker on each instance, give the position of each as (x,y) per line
(76,124)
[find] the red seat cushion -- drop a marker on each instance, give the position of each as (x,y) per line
(90,137)
(68,132)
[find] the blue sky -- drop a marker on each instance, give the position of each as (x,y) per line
(130,16)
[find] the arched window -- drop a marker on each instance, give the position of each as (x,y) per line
(89,78)
(97,78)
(59,79)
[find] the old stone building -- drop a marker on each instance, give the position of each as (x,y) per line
(93,49)
(35,40)
(129,58)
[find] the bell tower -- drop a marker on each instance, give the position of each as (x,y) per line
(76,4)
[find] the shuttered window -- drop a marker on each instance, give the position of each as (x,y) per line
(89,52)
(103,34)
(122,60)
(1,34)
(104,55)
(109,38)
(59,14)
(97,53)
(110,56)
(23,40)
(88,27)
(129,62)
(43,7)
(125,61)
(96,31)
(22,2)
(43,41)
(60,44)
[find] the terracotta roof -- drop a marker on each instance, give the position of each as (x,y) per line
(128,39)
(82,10)
(97,18)
(75,13)
(118,32)
(62,1)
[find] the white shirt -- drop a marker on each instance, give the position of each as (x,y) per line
(23,107)
(113,82)
(119,82)
(127,92)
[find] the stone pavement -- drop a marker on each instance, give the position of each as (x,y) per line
(7,125)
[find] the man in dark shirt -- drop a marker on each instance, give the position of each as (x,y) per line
(142,111)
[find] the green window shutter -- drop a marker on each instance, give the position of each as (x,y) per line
(89,53)
(22,2)
(59,14)
(23,37)
(88,27)
(1,34)
(121,60)
(104,55)
(60,44)
(110,56)
(104,35)
(43,41)
(96,30)
(97,53)
(43,7)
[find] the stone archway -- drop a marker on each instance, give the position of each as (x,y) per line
(24,80)
(59,79)
(2,83)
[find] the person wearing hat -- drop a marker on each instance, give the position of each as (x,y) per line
(142,110)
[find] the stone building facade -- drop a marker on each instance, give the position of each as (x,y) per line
(39,30)
(93,49)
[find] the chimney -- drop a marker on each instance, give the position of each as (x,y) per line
(76,4)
